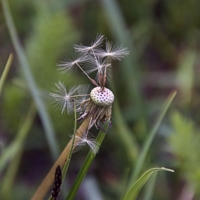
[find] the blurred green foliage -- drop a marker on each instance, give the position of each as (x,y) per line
(14,100)
(51,35)
(163,39)
(184,140)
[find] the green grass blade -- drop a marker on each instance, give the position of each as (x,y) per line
(135,188)
(66,166)
(17,144)
(5,72)
(150,138)
(125,135)
(49,131)
(149,188)
(87,163)
(10,175)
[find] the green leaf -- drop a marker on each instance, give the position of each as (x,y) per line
(134,190)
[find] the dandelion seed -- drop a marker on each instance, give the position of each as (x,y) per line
(96,64)
(81,48)
(67,64)
(64,99)
(82,96)
(86,139)
(115,52)
(83,89)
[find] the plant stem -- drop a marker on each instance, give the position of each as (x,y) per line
(48,180)
(86,165)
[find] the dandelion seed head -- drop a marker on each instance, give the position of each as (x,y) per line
(102,97)
(98,102)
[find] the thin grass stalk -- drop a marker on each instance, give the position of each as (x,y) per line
(148,141)
(10,151)
(5,72)
(10,175)
(48,180)
(49,131)
(86,165)
(15,157)
(126,137)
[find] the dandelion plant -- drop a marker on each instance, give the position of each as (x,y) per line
(94,107)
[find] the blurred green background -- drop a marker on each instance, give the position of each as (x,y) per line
(163,38)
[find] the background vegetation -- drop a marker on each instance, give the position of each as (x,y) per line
(163,39)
